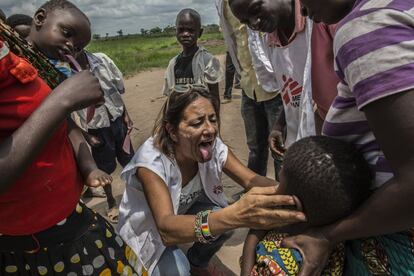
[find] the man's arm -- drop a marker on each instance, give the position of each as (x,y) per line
(393,203)
(389,118)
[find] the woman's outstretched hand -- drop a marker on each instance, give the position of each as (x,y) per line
(262,208)
(315,249)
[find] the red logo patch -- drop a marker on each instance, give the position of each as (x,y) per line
(291,91)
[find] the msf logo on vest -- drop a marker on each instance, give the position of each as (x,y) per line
(291,92)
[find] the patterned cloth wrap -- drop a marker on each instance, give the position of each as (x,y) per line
(272,259)
(22,48)
(82,244)
(391,254)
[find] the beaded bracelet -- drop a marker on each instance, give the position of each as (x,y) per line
(197,229)
(205,229)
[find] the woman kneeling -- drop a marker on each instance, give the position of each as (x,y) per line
(174,192)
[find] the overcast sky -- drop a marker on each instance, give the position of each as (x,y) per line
(109,16)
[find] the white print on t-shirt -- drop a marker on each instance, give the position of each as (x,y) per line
(184,81)
(189,194)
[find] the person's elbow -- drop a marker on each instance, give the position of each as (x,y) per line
(166,233)
(166,237)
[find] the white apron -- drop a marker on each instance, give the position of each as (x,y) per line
(292,66)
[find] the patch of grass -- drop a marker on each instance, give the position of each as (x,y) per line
(137,53)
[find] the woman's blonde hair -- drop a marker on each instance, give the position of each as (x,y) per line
(172,113)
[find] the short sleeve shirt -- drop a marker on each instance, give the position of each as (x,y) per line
(183,70)
(374,56)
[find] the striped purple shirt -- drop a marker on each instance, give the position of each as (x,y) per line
(374,58)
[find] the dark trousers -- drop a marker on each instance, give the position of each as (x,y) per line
(259,118)
(110,150)
(230,71)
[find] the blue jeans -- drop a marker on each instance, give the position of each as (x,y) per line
(259,118)
(174,262)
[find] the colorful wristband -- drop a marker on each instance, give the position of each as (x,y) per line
(197,229)
(205,229)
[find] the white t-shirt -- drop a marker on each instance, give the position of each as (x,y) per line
(189,194)
(206,70)
(136,223)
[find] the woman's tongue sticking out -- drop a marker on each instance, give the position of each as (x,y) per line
(206,150)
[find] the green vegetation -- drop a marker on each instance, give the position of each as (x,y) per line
(135,53)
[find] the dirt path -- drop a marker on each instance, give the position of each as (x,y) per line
(143,100)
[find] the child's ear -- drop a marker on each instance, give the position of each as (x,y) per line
(171,132)
(39,18)
(201,32)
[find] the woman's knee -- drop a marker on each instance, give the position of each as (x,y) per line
(173,262)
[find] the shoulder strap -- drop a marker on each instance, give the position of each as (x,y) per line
(23,49)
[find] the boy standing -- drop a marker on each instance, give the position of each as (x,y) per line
(290,41)
(194,65)
(293,52)
(108,130)
(261,102)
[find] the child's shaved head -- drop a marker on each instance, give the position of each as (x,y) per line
(59,29)
(330,177)
(192,13)
(52,5)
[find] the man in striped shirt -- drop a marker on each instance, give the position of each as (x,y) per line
(374,58)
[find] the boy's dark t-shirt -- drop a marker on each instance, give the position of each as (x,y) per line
(183,70)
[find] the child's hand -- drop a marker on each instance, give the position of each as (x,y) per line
(92,140)
(127,120)
(276,144)
(98,178)
(72,91)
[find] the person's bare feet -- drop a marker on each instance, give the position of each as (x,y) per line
(94,192)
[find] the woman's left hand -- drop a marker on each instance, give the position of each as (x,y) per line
(315,248)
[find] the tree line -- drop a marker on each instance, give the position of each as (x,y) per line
(155,32)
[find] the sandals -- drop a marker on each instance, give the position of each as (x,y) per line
(113,214)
